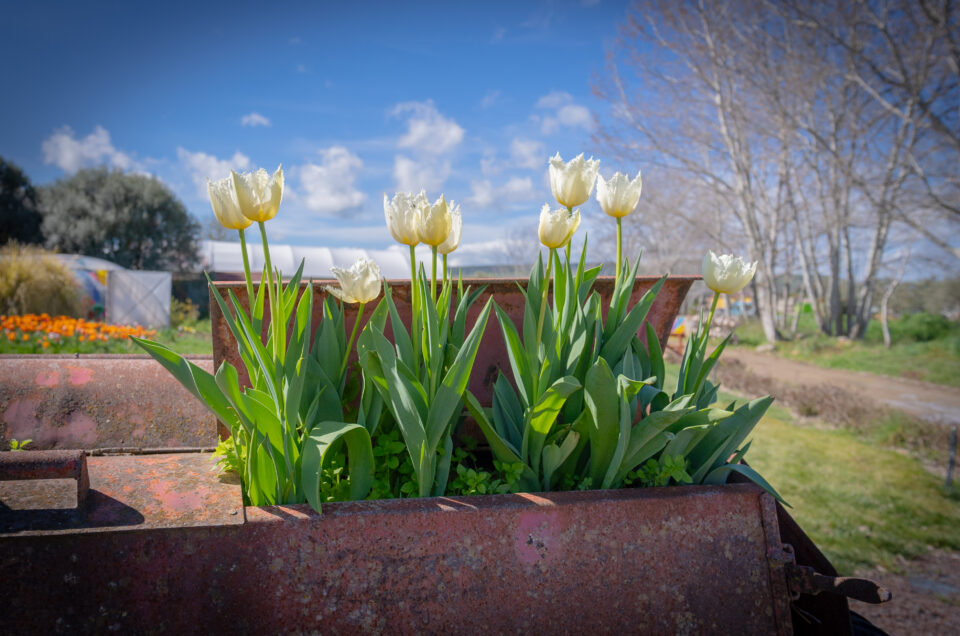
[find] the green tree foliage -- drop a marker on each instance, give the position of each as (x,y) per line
(19,218)
(132,220)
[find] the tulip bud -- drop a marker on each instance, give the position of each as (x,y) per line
(572,182)
(619,196)
(456,229)
(727,274)
(403,216)
(259,194)
(435,223)
(223,198)
(557,226)
(359,284)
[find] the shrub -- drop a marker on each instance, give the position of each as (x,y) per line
(183,312)
(34,281)
(923,327)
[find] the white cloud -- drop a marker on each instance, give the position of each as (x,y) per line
(528,153)
(70,154)
(328,188)
(428,132)
(203,166)
(566,112)
(412,175)
(516,190)
(555,99)
(491,98)
(255,119)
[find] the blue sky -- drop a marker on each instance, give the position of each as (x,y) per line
(354,99)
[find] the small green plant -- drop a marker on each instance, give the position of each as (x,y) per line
(19,445)
(183,312)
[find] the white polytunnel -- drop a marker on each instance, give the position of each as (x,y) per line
(224,257)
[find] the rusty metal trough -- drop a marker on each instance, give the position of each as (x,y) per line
(160,543)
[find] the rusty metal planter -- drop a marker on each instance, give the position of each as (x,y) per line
(161,544)
(667,560)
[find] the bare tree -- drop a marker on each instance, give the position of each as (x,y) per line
(787,118)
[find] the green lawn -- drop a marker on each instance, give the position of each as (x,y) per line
(934,360)
(861,504)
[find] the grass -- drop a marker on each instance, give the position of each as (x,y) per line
(861,504)
(936,360)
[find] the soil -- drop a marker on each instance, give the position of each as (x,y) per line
(926,590)
(931,402)
(926,596)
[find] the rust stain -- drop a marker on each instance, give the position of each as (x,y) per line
(78,376)
(48,378)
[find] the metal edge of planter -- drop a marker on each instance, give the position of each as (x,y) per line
(665,560)
(106,402)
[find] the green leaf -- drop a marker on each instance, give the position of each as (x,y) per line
(554,456)
(721,442)
(544,414)
(447,401)
(516,355)
(326,437)
(603,403)
(719,476)
(614,347)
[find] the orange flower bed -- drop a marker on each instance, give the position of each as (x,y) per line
(44,329)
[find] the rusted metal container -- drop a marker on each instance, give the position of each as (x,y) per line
(166,547)
(114,402)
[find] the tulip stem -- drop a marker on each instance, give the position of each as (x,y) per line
(543,298)
(274,313)
(713,308)
(433,279)
(619,244)
(353,335)
(444,269)
(246,270)
(414,311)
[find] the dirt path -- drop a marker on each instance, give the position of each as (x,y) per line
(932,402)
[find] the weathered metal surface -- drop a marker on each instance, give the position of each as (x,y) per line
(33,468)
(136,493)
(673,560)
(97,401)
(492,354)
(804,579)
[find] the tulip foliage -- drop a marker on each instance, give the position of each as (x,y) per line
(424,393)
(288,426)
(587,407)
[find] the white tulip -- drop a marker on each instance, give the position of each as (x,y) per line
(359,284)
(572,182)
(456,229)
(435,223)
(258,193)
(557,226)
(619,196)
(223,198)
(403,216)
(727,274)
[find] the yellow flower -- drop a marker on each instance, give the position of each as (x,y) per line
(223,198)
(258,194)
(557,226)
(435,223)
